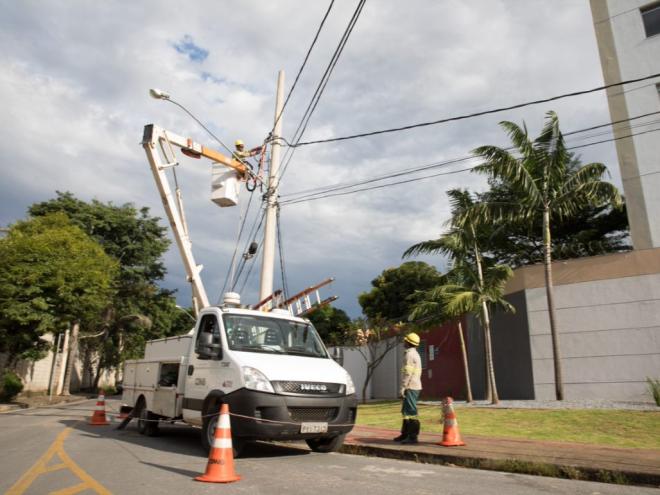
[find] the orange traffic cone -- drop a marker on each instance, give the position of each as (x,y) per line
(220,468)
(98,418)
(450,434)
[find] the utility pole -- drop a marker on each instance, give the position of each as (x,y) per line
(268,262)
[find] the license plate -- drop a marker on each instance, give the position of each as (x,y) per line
(313,427)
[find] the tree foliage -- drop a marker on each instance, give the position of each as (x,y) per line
(331,323)
(394,291)
(140,309)
(591,230)
(51,274)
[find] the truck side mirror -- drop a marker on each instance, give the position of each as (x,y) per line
(205,348)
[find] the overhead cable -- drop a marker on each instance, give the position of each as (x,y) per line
(471,115)
(311,107)
(323,190)
(380,186)
(309,51)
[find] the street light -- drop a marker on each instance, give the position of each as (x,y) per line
(186,312)
(159,94)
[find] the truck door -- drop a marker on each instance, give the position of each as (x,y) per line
(203,373)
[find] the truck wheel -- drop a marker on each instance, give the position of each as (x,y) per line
(208,432)
(326,444)
(146,424)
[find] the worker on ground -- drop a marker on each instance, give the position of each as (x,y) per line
(411,386)
(241,153)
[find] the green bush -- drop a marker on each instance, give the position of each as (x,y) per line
(10,386)
(654,387)
(108,390)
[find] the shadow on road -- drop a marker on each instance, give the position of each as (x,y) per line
(179,439)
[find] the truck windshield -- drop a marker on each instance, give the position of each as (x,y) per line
(272,335)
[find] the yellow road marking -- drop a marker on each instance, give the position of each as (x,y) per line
(41,467)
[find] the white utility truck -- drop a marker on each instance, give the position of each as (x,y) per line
(266,362)
(271,368)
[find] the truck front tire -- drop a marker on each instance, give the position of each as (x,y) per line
(326,444)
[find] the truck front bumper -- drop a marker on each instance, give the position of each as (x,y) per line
(265,416)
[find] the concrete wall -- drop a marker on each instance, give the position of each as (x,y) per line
(384,383)
(36,375)
(386,377)
(609,338)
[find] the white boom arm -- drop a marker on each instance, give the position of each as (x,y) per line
(153,138)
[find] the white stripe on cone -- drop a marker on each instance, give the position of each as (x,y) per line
(222,443)
(224,422)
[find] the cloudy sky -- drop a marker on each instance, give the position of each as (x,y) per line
(74,96)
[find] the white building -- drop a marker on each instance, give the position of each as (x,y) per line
(628,35)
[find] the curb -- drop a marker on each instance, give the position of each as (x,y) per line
(16,407)
(510,466)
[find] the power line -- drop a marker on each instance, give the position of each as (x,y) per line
(472,115)
(309,51)
(313,198)
(323,190)
(316,97)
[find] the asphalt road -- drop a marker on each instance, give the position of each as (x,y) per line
(54,450)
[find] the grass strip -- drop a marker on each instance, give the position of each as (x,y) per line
(611,427)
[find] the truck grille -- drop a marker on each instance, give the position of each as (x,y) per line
(300,414)
(308,388)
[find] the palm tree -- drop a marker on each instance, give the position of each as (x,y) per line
(463,293)
(462,246)
(545,186)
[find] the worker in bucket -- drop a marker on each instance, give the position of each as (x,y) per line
(241,153)
(411,386)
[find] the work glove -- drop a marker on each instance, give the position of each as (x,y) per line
(402,393)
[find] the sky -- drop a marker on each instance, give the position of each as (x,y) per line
(75,77)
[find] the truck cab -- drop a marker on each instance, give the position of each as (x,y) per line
(271,368)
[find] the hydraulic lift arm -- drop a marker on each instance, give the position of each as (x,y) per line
(157,144)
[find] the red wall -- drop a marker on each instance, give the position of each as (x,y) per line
(442,376)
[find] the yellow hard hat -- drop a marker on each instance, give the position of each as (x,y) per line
(239,143)
(412,338)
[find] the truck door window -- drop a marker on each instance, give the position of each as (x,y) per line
(209,333)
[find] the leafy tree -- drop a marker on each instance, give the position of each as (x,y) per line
(331,323)
(51,275)
(140,310)
(544,187)
(374,340)
(394,290)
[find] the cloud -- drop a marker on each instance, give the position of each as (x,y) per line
(186,46)
(75,99)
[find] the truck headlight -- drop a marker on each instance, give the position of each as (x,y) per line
(350,387)
(256,380)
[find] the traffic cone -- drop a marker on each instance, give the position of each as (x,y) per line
(98,418)
(220,468)
(450,434)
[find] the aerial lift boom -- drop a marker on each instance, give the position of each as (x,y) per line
(158,145)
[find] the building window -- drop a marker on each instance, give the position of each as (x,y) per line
(422,353)
(651,19)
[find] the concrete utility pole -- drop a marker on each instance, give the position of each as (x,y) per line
(268,262)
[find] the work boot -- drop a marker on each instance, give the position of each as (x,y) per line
(413,432)
(404,431)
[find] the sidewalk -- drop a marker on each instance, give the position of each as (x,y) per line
(558,459)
